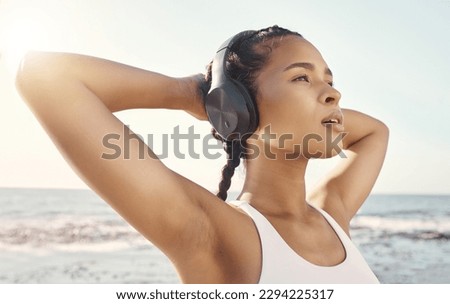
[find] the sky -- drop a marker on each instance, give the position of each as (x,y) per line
(389,60)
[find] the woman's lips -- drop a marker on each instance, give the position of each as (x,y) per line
(335,120)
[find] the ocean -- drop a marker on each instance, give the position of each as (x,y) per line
(72,236)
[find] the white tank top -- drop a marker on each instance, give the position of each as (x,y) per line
(281,264)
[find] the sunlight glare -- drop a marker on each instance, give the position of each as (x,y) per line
(23,30)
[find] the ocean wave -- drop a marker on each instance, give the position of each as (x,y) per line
(81,233)
(436,228)
(67,230)
(426,235)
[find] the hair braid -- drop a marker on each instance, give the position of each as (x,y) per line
(234,153)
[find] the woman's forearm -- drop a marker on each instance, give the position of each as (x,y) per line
(118,86)
(361,127)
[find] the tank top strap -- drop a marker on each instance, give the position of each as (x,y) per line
(267,232)
(273,247)
(345,239)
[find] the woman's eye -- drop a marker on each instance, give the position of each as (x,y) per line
(331,83)
(302,78)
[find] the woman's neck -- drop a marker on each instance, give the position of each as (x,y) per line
(275,185)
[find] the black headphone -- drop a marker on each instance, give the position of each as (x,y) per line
(229,107)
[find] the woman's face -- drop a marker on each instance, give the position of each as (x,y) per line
(296,99)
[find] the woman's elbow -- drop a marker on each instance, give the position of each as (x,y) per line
(382,134)
(37,74)
(27,76)
(383,129)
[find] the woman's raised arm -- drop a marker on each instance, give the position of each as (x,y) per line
(345,188)
(73,97)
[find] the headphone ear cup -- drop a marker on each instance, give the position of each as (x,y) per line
(231,110)
(251,121)
(225,108)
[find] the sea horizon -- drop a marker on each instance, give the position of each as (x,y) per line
(231,191)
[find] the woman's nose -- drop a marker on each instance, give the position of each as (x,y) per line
(331,96)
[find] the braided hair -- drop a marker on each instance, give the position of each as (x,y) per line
(246,58)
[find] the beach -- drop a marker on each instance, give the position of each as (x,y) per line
(72,236)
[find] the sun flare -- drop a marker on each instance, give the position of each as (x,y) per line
(22,30)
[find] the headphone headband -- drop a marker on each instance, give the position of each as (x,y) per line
(229,107)
(220,69)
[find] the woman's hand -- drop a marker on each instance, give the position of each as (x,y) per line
(195,87)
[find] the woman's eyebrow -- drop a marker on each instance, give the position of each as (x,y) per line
(306,65)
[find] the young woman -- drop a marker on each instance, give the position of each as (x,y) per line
(275,232)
